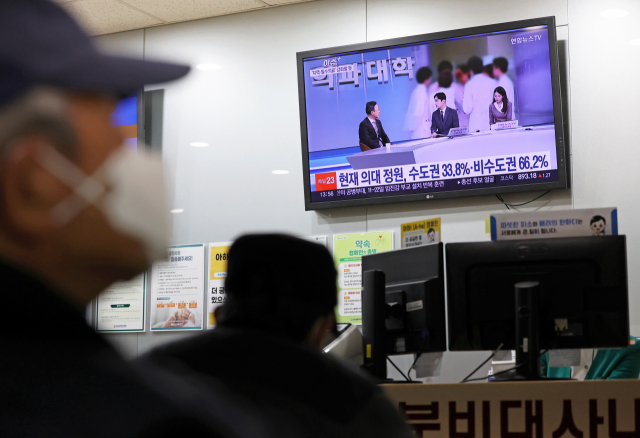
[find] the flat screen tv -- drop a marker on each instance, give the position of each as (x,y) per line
(459,113)
(126,116)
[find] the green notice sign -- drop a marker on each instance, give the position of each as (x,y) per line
(348,250)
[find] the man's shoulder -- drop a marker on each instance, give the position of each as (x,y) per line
(322,383)
(486,79)
(504,79)
(87,382)
(420,90)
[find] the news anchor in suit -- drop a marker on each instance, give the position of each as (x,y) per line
(443,118)
(501,109)
(371,132)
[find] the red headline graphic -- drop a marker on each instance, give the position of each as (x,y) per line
(326,181)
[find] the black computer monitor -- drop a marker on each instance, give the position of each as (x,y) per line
(403,305)
(579,283)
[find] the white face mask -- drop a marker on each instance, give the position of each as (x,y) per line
(128,189)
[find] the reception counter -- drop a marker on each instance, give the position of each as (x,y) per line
(557,409)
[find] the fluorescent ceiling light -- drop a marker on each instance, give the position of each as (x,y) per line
(208,67)
(614,13)
(177,210)
(280,172)
(635,42)
(199,144)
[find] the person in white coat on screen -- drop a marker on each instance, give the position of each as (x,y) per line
(462,76)
(478,95)
(418,118)
(435,87)
(500,68)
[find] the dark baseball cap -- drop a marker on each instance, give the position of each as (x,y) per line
(43,45)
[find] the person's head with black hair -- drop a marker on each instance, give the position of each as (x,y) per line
(475,65)
(440,99)
(423,75)
(462,74)
(598,224)
(500,97)
(281,285)
(500,67)
(445,79)
(372,109)
(488,70)
(431,235)
(444,66)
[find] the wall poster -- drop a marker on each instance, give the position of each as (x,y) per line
(218,254)
(420,233)
(348,250)
(177,289)
(121,306)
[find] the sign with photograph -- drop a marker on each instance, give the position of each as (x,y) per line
(545,224)
(177,289)
(420,233)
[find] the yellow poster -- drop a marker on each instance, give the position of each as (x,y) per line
(218,254)
(420,233)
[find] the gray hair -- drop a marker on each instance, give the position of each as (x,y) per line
(42,111)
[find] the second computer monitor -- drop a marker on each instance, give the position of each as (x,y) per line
(583,300)
(413,318)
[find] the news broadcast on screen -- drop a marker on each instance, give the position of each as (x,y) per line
(437,117)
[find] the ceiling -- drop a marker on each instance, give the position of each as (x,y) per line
(101,17)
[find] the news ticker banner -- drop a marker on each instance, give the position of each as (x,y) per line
(443,175)
(218,254)
(348,250)
(410,173)
(121,307)
(545,224)
(420,233)
(597,408)
(177,289)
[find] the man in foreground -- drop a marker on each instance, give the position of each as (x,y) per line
(78,212)
(280,298)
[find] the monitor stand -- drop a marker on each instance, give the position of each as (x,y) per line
(527,331)
(527,335)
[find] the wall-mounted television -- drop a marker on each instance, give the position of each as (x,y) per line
(126,116)
(459,113)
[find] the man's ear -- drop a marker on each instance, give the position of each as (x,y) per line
(28,191)
(320,329)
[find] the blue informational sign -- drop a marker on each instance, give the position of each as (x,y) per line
(568,223)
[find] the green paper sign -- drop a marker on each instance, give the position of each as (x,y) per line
(348,250)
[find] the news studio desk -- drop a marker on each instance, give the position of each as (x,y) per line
(589,409)
(481,144)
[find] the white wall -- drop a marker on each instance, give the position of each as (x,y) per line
(248,112)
